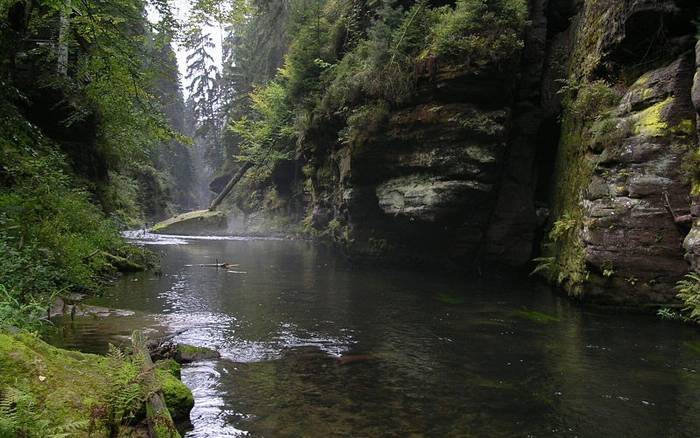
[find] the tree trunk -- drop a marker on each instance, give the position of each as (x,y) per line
(62,46)
(234,180)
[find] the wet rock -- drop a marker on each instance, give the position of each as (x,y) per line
(189,353)
(424,198)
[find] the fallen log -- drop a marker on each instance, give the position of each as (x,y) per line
(160,423)
(234,180)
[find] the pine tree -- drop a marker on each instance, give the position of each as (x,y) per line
(202,74)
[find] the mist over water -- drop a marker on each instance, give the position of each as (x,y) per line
(436,355)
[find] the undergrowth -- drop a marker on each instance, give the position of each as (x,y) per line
(53,238)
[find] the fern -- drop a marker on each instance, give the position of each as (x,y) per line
(116,354)
(689,292)
(20,416)
(545,265)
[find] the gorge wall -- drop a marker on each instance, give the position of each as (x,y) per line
(580,155)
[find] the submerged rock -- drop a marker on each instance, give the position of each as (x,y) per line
(189,353)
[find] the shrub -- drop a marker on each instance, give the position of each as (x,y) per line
(589,101)
(479,32)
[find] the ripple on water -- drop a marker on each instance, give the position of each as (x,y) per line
(209,415)
(144,237)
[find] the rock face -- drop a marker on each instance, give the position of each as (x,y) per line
(628,129)
(627,227)
(428,178)
(692,240)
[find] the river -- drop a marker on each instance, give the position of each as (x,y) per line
(437,355)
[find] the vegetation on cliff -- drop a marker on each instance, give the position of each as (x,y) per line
(346,66)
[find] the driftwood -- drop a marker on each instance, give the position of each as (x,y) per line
(160,423)
(219,265)
(232,182)
(682,220)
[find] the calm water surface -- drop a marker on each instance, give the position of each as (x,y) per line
(447,357)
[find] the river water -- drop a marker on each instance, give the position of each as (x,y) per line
(437,355)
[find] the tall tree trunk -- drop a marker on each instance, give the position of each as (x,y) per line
(62,49)
(232,182)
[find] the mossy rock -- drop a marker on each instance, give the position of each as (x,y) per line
(68,392)
(178,397)
(194,223)
(170,366)
(189,353)
(66,387)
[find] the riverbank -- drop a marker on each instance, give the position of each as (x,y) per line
(47,390)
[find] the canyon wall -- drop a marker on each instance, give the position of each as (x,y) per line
(580,155)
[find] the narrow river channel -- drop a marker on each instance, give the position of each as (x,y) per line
(435,355)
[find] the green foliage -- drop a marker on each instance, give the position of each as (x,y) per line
(561,227)
(546,266)
(689,292)
(608,269)
(589,101)
(128,390)
(364,121)
(51,236)
(669,315)
(479,33)
(267,135)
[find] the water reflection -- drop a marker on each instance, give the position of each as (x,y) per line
(438,355)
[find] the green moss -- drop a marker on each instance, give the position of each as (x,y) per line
(651,122)
(178,397)
(67,387)
(169,366)
(535,316)
(190,353)
(450,299)
(685,127)
(572,174)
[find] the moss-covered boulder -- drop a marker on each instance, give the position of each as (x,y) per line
(178,397)
(189,353)
(194,223)
(46,390)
